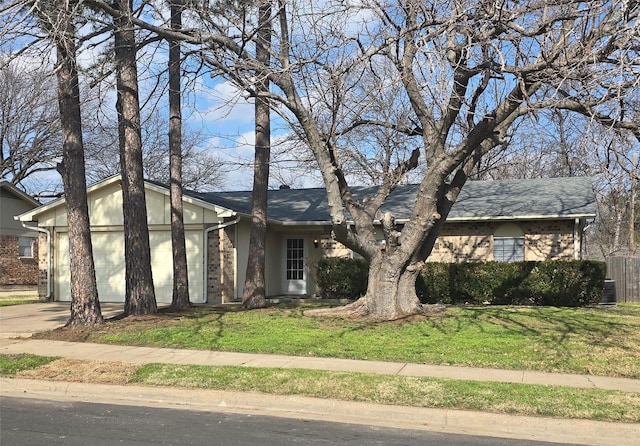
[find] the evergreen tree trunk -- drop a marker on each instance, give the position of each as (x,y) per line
(140,295)
(180,299)
(85,306)
(254,294)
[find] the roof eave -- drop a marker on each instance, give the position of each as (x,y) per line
(299,223)
(524,217)
(450,219)
(16,191)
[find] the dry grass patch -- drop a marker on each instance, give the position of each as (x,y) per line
(73,370)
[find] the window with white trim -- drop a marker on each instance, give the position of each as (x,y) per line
(295,259)
(25,247)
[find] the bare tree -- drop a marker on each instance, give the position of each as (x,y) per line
(254,295)
(202,170)
(616,184)
(469,72)
(140,294)
(29,122)
(31,137)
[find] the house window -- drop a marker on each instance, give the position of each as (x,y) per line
(25,247)
(508,243)
(508,249)
(295,259)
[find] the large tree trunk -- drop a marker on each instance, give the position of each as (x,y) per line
(391,294)
(85,306)
(140,295)
(180,299)
(254,287)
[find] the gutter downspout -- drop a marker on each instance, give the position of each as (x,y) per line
(583,239)
(576,239)
(205,268)
(48,232)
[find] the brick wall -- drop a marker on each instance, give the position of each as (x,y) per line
(221,267)
(549,240)
(473,241)
(15,270)
(464,242)
(43,284)
(332,248)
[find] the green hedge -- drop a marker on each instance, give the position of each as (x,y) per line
(551,283)
(342,278)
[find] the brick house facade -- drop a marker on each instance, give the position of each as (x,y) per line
(491,221)
(221,264)
(19,246)
(474,241)
(14,268)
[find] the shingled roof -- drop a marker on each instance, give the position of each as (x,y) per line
(542,198)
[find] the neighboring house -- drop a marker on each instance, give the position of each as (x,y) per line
(18,245)
(492,220)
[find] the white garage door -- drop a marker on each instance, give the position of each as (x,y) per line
(108,254)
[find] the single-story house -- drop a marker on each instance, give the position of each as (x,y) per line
(492,220)
(18,244)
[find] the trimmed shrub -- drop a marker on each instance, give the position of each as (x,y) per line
(552,283)
(567,284)
(340,278)
(432,286)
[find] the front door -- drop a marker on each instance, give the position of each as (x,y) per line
(295,275)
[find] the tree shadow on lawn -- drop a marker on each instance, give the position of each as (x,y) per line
(554,328)
(602,327)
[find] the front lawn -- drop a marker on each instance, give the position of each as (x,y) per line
(599,340)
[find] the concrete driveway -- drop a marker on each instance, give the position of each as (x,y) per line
(24,320)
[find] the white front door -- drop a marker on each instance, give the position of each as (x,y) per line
(295,274)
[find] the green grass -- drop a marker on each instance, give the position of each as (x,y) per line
(520,399)
(515,399)
(17,300)
(600,340)
(12,364)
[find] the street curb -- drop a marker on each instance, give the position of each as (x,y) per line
(582,432)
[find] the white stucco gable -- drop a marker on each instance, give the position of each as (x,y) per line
(104,199)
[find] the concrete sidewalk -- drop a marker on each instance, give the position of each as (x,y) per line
(26,319)
(144,355)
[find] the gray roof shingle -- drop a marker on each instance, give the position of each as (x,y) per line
(479,200)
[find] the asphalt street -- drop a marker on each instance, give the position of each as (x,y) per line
(35,422)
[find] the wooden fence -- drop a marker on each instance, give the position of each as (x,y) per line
(626,273)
